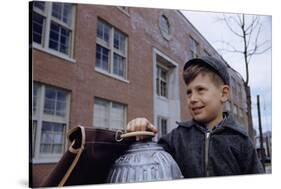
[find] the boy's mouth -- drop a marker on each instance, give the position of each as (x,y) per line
(197,109)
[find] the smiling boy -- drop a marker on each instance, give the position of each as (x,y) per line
(211,144)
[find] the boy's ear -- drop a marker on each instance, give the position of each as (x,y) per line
(225,93)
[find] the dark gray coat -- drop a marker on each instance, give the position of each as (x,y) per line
(226,150)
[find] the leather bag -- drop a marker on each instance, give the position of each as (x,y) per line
(89,158)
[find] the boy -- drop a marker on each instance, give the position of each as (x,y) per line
(211,144)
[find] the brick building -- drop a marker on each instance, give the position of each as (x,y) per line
(101,66)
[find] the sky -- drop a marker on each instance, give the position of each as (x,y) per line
(215,31)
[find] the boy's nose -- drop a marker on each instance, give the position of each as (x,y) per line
(193,98)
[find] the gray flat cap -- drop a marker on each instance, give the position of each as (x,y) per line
(214,64)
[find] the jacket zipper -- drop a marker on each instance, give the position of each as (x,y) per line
(207,141)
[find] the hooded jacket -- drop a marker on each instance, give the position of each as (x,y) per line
(226,150)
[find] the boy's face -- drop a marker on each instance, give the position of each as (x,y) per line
(206,99)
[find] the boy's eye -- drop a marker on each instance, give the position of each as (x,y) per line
(201,89)
(188,92)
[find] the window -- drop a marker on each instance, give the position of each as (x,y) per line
(111,50)
(109,114)
(162,81)
(164,26)
(35,94)
(50,121)
(55,102)
(34,129)
(194,48)
(52,138)
(162,126)
(53,26)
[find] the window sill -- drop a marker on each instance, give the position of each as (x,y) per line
(46,160)
(111,75)
(53,52)
(162,98)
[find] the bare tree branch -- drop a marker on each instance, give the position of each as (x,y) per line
(254,21)
(230,28)
(233,48)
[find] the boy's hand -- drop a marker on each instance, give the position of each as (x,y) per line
(140,124)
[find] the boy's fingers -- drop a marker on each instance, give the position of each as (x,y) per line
(140,124)
(129,127)
(151,127)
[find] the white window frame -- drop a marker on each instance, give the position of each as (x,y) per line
(159,125)
(40,117)
(47,14)
(112,51)
(109,110)
(159,79)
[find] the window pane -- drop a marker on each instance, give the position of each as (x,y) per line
(55,102)
(59,38)
(37,27)
(60,108)
(163,89)
(64,40)
(49,106)
(163,75)
(103,31)
(102,58)
(118,65)
(52,137)
(101,113)
(117,116)
(39,5)
(164,24)
(35,94)
(119,41)
(161,82)
(67,14)
(34,130)
(57,10)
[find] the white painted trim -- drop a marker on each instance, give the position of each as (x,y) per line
(111,75)
(167,36)
(156,51)
(46,160)
(123,11)
(46,32)
(53,52)
(174,100)
(112,50)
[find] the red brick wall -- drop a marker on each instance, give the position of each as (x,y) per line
(40,172)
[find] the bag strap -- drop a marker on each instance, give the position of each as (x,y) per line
(79,152)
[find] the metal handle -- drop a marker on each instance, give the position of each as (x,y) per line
(137,133)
